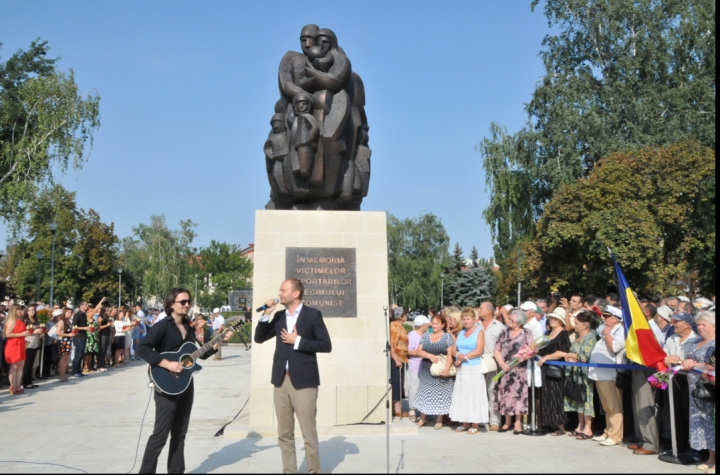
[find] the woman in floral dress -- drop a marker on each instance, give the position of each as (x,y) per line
(580,352)
(511,396)
(702,427)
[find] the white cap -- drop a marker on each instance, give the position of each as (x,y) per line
(216,310)
(682,298)
(57,313)
(528,306)
(140,314)
(665,312)
(508,306)
(614,311)
(420,320)
(702,303)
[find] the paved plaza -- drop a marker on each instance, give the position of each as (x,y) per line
(93,424)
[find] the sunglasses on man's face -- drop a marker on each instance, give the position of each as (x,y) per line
(183,302)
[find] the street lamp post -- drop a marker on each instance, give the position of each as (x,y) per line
(119,287)
(442,289)
(40,256)
(53,230)
(195,290)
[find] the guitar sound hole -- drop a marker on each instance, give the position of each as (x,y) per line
(187,361)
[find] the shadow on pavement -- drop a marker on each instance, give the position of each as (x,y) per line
(332,454)
(232,454)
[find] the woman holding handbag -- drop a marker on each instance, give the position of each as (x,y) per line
(580,352)
(469,401)
(64,331)
(434,394)
(552,412)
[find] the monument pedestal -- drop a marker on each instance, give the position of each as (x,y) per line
(318,247)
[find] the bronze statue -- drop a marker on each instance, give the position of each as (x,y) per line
(317,154)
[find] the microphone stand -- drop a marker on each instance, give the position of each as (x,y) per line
(387,393)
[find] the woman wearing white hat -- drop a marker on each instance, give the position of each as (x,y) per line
(421,324)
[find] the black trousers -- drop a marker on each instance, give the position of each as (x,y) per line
(79,353)
(103,344)
(172,416)
(27,369)
(396,374)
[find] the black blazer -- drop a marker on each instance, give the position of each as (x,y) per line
(302,363)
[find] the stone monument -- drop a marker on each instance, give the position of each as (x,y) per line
(318,165)
(317,155)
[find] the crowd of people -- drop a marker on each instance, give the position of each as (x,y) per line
(474,368)
(38,342)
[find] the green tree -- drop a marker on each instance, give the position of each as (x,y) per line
(417,255)
(227,270)
(159,257)
(619,76)
(474,257)
(655,208)
(473,286)
(45,124)
(85,252)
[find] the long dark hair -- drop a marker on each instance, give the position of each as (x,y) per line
(67,327)
(26,315)
(172,295)
(587,316)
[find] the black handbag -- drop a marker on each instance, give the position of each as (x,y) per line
(703,390)
(623,381)
(553,372)
(573,390)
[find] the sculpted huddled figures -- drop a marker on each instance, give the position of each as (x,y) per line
(317,154)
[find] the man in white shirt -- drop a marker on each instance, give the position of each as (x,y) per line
(542,306)
(218,325)
(492,329)
(610,349)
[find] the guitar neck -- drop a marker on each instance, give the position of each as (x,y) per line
(208,346)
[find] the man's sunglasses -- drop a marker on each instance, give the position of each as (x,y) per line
(183,302)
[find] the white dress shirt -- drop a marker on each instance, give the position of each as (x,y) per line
(291,320)
(536,330)
(601,354)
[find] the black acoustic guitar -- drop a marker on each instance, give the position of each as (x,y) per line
(176,383)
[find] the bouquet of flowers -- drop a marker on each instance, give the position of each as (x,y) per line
(74,330)
(43,316)
(661,379)
(525,353)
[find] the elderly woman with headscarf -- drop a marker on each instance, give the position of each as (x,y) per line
(702,421)
(399,355)
(511,396)
(421,324)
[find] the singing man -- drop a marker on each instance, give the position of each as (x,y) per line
(172,412)
(301,334)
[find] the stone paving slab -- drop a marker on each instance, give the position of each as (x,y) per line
(93,424)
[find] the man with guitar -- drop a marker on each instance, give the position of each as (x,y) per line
(172,411)
(301,334)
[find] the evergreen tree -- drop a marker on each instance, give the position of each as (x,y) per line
(473,287)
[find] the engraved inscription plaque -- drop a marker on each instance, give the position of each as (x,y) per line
(329,277)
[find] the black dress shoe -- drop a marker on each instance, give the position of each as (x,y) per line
(517,432)
(503,429)
(42,378)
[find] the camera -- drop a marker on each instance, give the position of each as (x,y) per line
(557,295)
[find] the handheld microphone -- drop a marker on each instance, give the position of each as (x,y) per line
(265,307)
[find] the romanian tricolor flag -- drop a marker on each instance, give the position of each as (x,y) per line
(640,343)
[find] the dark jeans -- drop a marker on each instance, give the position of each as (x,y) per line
(103,345)
(44,368)
(681,394)
(172,416)
(79,353)
(27,369)
(396,374)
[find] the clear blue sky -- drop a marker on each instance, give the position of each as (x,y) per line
(188,88)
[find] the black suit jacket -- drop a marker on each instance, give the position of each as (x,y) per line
(302,363)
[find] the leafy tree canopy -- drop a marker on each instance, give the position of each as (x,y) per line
(619,76)
(655,208)
(85,252)
(223,265)
(44,123)
(417,255)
